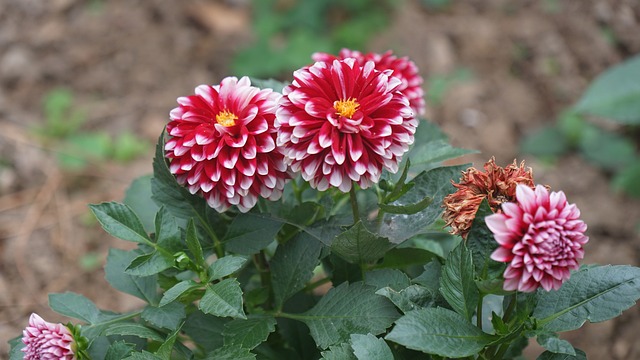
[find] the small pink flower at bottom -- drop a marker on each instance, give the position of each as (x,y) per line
(540,236)
(45,340)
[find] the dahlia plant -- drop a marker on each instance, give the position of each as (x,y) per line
(317,219)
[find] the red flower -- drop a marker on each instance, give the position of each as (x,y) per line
(45,340)
(403,68)
(540,236)
(222,144)
(495,183)
(341,122)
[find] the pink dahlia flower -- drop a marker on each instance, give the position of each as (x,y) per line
(223,144)
(341,122)
(403,68)
(540,236)
(45,340)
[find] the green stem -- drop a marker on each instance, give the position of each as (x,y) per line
(115,320)
(315,284)
(354,204)
(479,312)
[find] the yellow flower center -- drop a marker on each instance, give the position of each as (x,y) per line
(346,108)
(226,118)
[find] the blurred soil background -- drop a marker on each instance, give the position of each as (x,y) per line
(86,88)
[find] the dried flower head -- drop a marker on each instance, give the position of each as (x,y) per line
(541,238)
(495,183)
(340,122)
(223,144)
(403,69)
(45,340)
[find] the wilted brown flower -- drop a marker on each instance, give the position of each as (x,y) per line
(495,183)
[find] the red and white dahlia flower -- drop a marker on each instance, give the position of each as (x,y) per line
(223,144)
(45,340)
(403,68)
(340,122)
(540,236)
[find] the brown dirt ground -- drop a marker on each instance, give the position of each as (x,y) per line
(127,61)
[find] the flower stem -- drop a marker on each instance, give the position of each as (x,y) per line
(260,261)
(315,284)
(354,204)
(479,312)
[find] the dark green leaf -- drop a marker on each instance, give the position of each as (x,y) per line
(392,278)
(359,245)
(231,352)
(223,299)
(627,180)
(596,293)
(410,298)
(205,330)
(249,333)
(292,266)
(138,198)
(552,343)
(348,309)
(457,284)
(164,352)
(404,257)
(133,329)
(436,184)
(120,221)
(144,288)
(607,149)
(144,355)
(16,345)
(168,316)
(248,234)
(482,244)
(177,290)
(150,264)
(339,352)
(167,231)
(408,209)
(369,347)
(547,355)
(430,278)
(74,305)
(615,93)
(225,266)
(194,244)
(439,331)
(401,187)
(119,350)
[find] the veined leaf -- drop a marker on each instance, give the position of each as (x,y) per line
(358,245)
(249,333)
(120,221)
(457,284)
(223,299)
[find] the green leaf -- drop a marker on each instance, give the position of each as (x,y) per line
(273,84)
(178,290)
(345,310)
(435,183)
(339,352)
(410,298)
(369,347)
(552,343)
(547,355)
(358,245)
(168,316)
(223,299)
(457,284)
(597,293)
(168,234)
(205,330)
(133,329)
(248,234)
(119,350)
(74,305)
(138,198)
(408,209)
(177,199)
(482,244)
(150,264)
(144,355)
(144,288)
(194,244)
(230,352)
(546,142)
(292,266)
(607,150)
(225,266)
(430,278)
(120,221)
(249,333)
(627,180)
(164,352)
(393,278)
(439,331)
(615,93)
(16,345)
(404,257)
